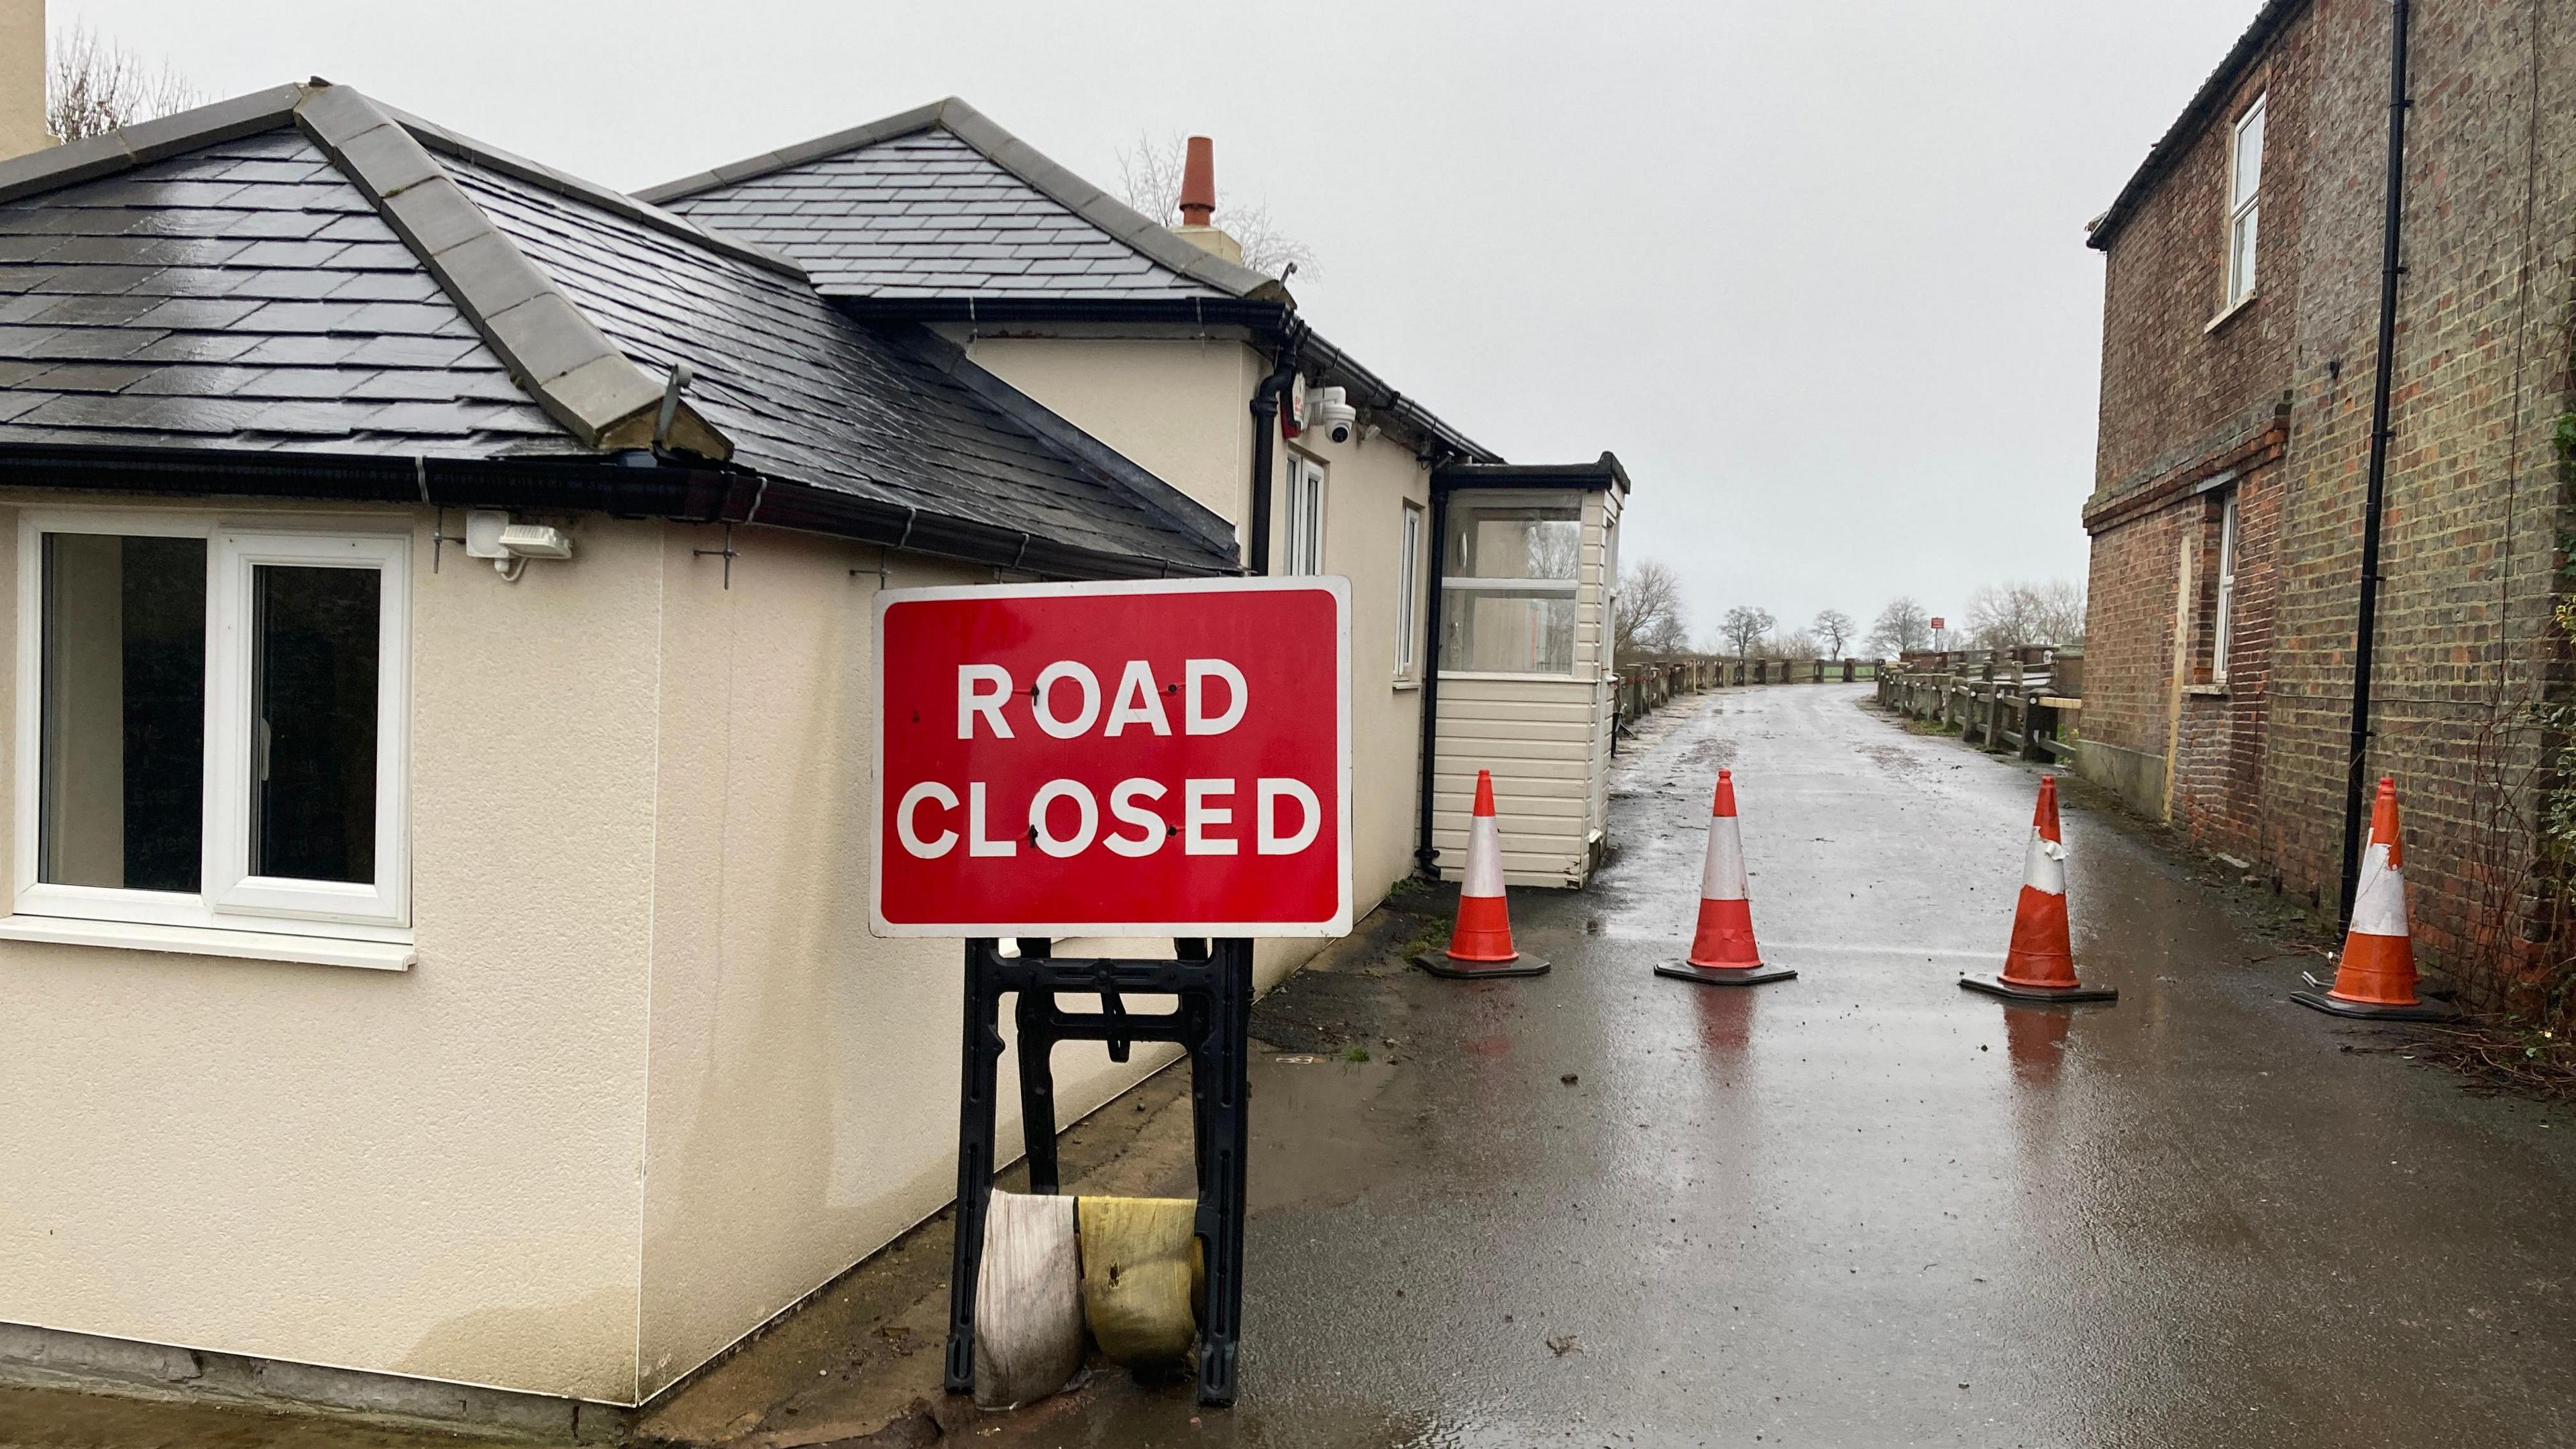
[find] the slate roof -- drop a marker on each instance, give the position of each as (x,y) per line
(807,393)
(936,212)
(243,295)
(298,273)
(940,201)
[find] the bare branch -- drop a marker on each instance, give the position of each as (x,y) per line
(1149,180)
(95,86)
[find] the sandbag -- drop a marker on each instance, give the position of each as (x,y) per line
(1028,1300)
(1141,1277)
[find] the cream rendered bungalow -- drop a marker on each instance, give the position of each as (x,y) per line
(1160,343)
(436,969)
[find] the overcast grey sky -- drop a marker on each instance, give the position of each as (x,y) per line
(1815,271)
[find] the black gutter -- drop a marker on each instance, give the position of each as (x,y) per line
(1265,444)
(2366,624)
(1426,858)
(613,486)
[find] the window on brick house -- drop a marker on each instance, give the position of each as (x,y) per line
(2244,200)
(2223,622)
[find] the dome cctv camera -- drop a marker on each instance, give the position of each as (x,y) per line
(1329,412)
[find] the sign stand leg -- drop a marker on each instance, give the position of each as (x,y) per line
(1220,1083)
(981,1056)
(1213,1025)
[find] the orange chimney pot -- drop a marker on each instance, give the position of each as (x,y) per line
(1198,183)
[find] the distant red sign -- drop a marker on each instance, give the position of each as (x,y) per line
(1133,759)
(1940,623)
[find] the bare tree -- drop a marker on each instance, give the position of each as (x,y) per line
(1834,629)
(1149,179)
(1649,618)
(95,86)
(1902,625)
(1744,628)
(2016,615)
(1801,645)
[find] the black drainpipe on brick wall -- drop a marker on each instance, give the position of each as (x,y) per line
(2366,624)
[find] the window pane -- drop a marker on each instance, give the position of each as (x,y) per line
(124,711)
(313,742)
(2249,159)
(1511,631)
(1408,584)
(2240,261)
(1513,540)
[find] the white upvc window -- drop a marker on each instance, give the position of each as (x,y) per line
(2244,200)
(1301,545)
(1408,593)
(2223,625)
(213,726)
(1510,574)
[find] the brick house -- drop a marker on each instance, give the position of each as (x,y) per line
(2240,317)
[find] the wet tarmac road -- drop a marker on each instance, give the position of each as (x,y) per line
(1866,1207)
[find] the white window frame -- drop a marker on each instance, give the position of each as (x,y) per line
(1301,526)
(1408,591)
(2223,624)
(2244,212)
(229,898)
(1469,583)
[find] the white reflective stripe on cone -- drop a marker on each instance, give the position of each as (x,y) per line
(2043,867)
(2379,904)
(1484,858)
(1722,878)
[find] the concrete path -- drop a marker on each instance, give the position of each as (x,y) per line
(1866,1207)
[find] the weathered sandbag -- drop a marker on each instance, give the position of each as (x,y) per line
(1028,1300)
(1141,1266)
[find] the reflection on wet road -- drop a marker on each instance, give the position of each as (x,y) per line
(1865,1207)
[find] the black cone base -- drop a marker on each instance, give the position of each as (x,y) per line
(2364,1011)
(1997,986)
(1724,975)
(1440,963)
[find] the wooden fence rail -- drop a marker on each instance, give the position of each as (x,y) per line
(2028,702)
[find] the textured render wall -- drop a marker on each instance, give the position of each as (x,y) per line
(22,78)
(2469,544)
(803,1102)
(429,1173)
(1178,407)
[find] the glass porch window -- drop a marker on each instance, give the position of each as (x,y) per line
(1510,575)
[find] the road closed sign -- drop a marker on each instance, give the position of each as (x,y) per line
(1127,759)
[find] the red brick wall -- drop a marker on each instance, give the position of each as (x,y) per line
(2173,390)
(2474,504)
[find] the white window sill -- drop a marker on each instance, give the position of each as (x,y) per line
(205,941)
(1566,678)
(1406,682)
(2216,690)
(2232,308)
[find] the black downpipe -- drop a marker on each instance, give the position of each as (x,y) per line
(2366,624)
(1426,859)
(1265,442)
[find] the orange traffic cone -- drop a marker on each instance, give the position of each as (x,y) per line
(1481,946)
(2375,979)
(2039,965)
(1722,951)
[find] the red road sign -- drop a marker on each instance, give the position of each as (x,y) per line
(1130,759)
(1940,623)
